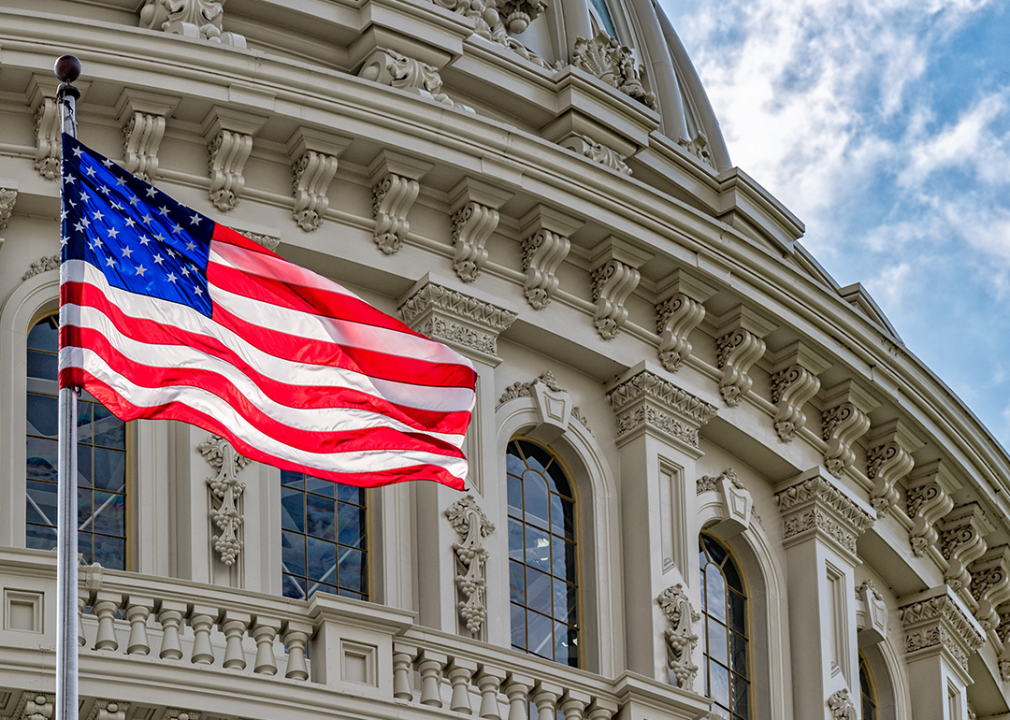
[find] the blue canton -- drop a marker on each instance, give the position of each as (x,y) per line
(142,240)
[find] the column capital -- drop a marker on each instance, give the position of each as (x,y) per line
(814,506)
(936,621)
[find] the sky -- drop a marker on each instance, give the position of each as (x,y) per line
(884,125)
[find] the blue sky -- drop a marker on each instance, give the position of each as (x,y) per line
(885,126)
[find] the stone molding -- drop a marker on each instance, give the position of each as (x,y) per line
(841,707)
(990,585)
(962,541)
(108,710)
(488,24)
(816,507)
(43,264)
(227,490)
(939,623)
(794,382)
(518,14)
(597,152)
(395,185)
(474,206)
(698,147)
(394,69)
(888,460)
(929,499)
(314,160)
(177,714)
(229,135)
(143,116)
(737,503)
(614,274)
(270,242)
(545,246)
(189,18)
(553,405)
(605,58)
(680,640)
(845,418)
(739,344)
(645,400)
(473,527)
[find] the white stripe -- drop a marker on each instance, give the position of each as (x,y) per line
(179,356)
(215,407)
(164,312)
(350,334)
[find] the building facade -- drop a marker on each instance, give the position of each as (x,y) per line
(706,481)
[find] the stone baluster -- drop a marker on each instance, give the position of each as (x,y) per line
(83,597)
(234,625)
(296,634)
(430,666)
(170,615)
(264,631)
(202,619)
(459,673)
(403,660)
(489,680)
(517,689)
(545,697)
(601,710)
(105,606)
(138,609)
(573,704)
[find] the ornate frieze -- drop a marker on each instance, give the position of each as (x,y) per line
(614,276)
(739,343)
(108,710)
(814,506)
(314,158)
(794,382)
(227,491)
(990,585)
(597,152)
(845,418)
(50,262)
(645,400)
(841,707)
(929,499)
(229,136)
(605,58)
(34,706)
(190,18)
(47,138)
(395,187)
(680,640)
(473,527)
(545,245)
(177,714)
(447,315)
(962,542)
(389,67)
(936,622)
(888,460)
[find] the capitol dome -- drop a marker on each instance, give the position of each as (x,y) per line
(705,480)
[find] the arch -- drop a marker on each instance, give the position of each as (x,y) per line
(887,669)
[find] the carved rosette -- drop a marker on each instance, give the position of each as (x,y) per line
(543,253)
(929,491)
(141,140)
(990,585)
(190,18)
(313,172)
(389,67)
(613,282)
(452,317)
(647,401)
(473,527)
(472,225)
(816,508)
(738,350)
(939,624)
(676,318)
(791,389)
(597,152)
(48,146)
(680,640)
(227,491)
(841,707)
(43,264)
(962,542)
(605,58)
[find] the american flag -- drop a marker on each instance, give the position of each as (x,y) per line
(167,314)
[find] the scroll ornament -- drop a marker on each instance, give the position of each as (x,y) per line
(227,490)
(841,707)
(613,63)
(190,18)
(679,638)
(469,521)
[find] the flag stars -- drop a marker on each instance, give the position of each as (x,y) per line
(177,228)
(127,251)
(151,191)
(147,219)
(104,189)
(197,290)
(91,172)
(171,277)
(133,200)
(130,222)
(158,259)
(69,179)
(120,181)
(99,216)
(185,271)
(195,219)
(84,196)
(191,246)
(163,211)
(144,240)
(141,270)
(107,163)
(113,233)
(79,227)
(78,151)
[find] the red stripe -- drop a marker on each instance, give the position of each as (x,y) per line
(124,410)
(226,234)
(298,396)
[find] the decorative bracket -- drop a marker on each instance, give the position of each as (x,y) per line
(844,419)
(929,498)
(474,206)
(42,99)
(740,345)
(841,707)
(8,196)
(189,18)
(143,116)
(545,234)
(394,180)
(553,405)
(227,490)
(615,275)
(935,622)
(587,147)
(473,526)
(794,382)
(229,135)
(605,58)
(962,541)
(680,640)
(314,157)
(889,459)
(871,615)
(678,312)
(990,585)
(389,67)
(815,507)
(34,705)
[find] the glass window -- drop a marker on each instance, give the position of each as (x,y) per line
(603,16)
(543,570)
(323,538)
(867,691)
(724,637)
(101,461)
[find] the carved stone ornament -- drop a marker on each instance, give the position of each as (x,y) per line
(177,714)
(543,253)
(472,225)
(35,705)
(816,507)
(990,585)
(489,23)
(739,346)
(888,460)
(871,615)
(646,400)
(844,420)
(597,152)
(43,264)
(473,526)
(8,196)
(47,139)
(270,242)
(389,67)
(518,14)
(190,18)
(794,382)
(962,543)
(613,282)
(604,57)
(313,172)
(227,490)
(228,154)
(939,623)
(929,491)
(143,116)
(676,318)
(680,640)
(737,503)
(841,707)
(553,405)
(392,198)
(698,147)
(108,710)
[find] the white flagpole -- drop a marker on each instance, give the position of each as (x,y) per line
(68,69)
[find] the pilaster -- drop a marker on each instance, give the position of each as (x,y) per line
(615,275)
(845,418)
(740,345)
(679,311)
(794,383)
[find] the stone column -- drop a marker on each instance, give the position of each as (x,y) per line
(657,434)
(821,520)
(468,321)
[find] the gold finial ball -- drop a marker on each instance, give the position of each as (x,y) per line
(67,68)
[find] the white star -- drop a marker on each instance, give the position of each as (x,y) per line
(90,171)
(117,206)
(110,261)
(163,211)
(77,152)
(98,215)
(107,163)
(127,251)
(171,252)
(195,219)
(72,203)
(151,191)
(104,190)
(159,237)
(134,200)
(85,222)
(177,228)
(64,240)
(191,246)
(158,259)
(113,232)
(120,181)
(63,214)
(185,271)
(172,278)
(146,219)
(69,179)
(129,222)
(141,270)
(197,290)
(97,242)
(79,227)
(144,239)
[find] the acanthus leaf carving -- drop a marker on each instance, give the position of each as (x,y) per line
(518,14)
(815,503)
(270,242)
(597,152)
(676,318)
(472,225)
(738,350)
(645,399)
(227,491)
(43,264)
(605,58)
(929,499)
(489,24)
(189,18)
(108,710)
(48,145)
(841,707)
(389,67)
(613,282)
(680,639)
(473,527)
(33,705)
(543,253)
(698,147)
(844,419)
(444,314)
(313,172)
(8,196)
(962,542)
(990,585)
(940,622)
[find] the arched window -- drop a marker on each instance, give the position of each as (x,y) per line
(724,610)
(101,461)
(600,16)
(543,570)
(867,690)
(323,538)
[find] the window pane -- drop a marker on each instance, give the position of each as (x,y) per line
(719,684)
(292,479)
(715,593)
(292,509)
(42,412)
(732,577)
(541,640)
(718,642)
(352,569)
(110,551)
(738,654)
(737,612)
(515,487)
(42,459)
(319,487)
(110,513)
(538,549)
(322,559)
(44,336)
(566,649)
(538,591)
(516,549)
(109,470)
(715,550)
(320,520)
(42,507)
(565,601)
(741,697)
(293,587)
(518,627)
(110,431)
(563,559)
(351,525)
(350,494)
(40,538)
(293,553)
(535,499)
(517,583)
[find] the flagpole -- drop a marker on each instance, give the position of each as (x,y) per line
(68,69)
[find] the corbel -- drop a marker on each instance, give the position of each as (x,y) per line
(545,236)
(395,184)
(108,710)
(474,207)
(871,615)
(740,344)
(962,542)
(888,460)
(229,135)
(197,19)
(143,116)
(8,196)
(41,96)
(314,157)
(990,585)
(845,418)
(679,311)
(614,264)
(930,488)
(794,382)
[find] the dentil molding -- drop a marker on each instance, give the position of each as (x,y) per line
(680,640)
(227,491)
(469,521)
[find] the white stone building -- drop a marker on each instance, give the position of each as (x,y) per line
(705,478)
